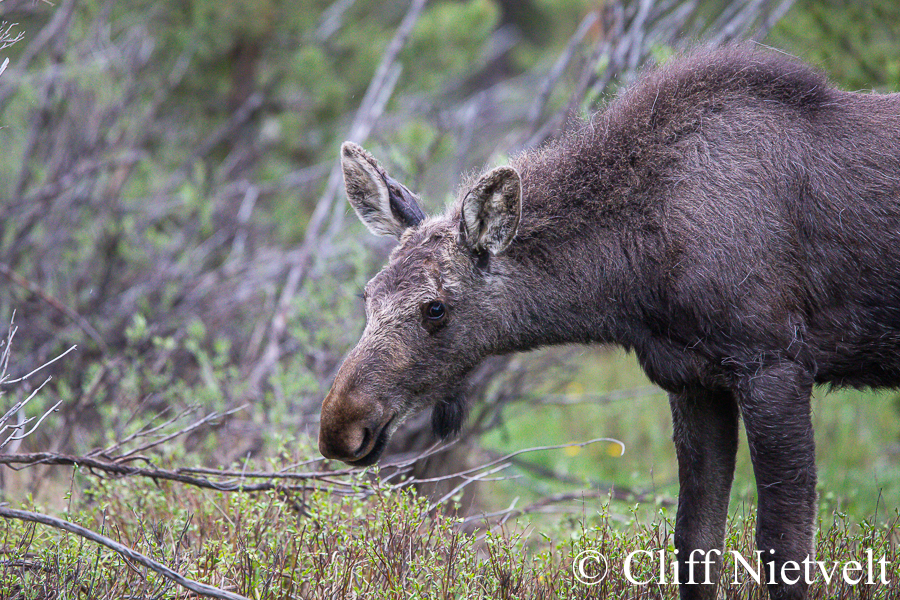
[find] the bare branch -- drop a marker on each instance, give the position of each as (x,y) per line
(466,481)
(121,470)
(142,432)
(55,30)
(21,424)
(18,432)
(507,457)
(162,438)
(273,481)
(8,37)
(595,399)
(46,364)
(740,23)
(537,506)
(240,117)
(771,19)
(332,19)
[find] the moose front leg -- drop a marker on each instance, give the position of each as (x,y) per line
(775,405)
(705,427)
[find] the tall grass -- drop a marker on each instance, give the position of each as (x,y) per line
(384,546)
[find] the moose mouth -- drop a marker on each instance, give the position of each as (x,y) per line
(377,449)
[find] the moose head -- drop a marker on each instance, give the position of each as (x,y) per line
(432,314)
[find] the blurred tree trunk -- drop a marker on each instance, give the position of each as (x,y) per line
(244,66)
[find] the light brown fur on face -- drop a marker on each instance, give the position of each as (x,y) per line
(391,370)
(406,360)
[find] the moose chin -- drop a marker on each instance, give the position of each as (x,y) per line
(732,218)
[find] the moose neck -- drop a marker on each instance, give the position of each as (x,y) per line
(573,284)
(590,249)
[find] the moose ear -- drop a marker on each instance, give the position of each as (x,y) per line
(383,204)
(491,211)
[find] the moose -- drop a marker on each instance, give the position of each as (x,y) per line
(732,218)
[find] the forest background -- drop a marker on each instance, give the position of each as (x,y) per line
(179,272)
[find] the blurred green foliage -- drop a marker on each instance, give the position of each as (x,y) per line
(130,108)
(857,42)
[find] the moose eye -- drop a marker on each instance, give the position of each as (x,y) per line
(434,316)
(435,311)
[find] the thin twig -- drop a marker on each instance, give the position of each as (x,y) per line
(511,455)
(512,512)
(195,425)
(33,371)
(7,347)
(20,404)
(143,432)
(466,481)
(19,432)
(597,399)
(13,437)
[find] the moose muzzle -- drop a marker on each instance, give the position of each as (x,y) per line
(354,429)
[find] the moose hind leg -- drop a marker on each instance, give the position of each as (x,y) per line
(705,425)
(775,405)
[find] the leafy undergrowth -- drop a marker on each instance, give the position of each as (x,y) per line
(384,545)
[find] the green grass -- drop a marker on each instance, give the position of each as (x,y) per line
(380,544)
(857,438)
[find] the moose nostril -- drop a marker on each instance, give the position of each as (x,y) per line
(367,435)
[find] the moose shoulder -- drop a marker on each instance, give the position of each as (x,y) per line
(732,218)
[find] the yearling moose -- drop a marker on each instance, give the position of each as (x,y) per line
(732,218)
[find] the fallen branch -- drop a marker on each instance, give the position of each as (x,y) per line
(194,586)
(278,481)
(20,461)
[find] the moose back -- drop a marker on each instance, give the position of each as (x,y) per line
(732,218)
